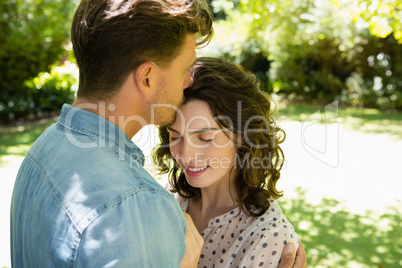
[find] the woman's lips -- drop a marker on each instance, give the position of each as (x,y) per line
(195,171)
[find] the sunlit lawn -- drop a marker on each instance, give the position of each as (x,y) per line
(332,236)
(16,140)
(364,120)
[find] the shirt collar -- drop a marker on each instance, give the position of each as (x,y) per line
(74,120)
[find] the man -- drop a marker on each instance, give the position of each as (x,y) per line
(82,197)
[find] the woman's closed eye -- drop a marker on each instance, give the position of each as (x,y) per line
(205,139)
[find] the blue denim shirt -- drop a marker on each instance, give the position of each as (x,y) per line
(83,199)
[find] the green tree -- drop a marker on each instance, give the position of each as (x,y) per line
(381,17)
(34,33)
(323,50)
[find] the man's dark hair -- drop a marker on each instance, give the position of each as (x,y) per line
(111,38)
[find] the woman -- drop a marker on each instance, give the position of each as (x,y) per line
(223,158)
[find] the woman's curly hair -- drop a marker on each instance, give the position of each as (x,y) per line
(237,104)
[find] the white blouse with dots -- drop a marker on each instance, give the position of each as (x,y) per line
(238,240)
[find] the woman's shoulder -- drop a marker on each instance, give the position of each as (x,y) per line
(271,228)
(266,236)
(273,219)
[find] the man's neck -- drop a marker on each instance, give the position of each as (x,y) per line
(114,111)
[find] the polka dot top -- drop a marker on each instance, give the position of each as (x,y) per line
(238,240)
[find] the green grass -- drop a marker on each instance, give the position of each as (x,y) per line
(334,237)
(364,120)
(16,140)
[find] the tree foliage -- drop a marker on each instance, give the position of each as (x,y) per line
(34,33)
(346,50)
(382,18)
(327,50)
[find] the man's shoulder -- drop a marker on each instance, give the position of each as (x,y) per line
(104,175)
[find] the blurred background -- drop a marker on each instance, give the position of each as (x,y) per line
(334,69)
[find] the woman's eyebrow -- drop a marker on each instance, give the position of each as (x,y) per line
(202,130)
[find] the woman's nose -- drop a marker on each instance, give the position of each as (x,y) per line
(188,152)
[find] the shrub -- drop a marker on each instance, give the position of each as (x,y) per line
(33,36)
(45,93)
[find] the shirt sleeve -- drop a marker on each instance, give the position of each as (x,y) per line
(267,243)
(146,229)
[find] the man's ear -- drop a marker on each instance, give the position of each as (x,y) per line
(144,77)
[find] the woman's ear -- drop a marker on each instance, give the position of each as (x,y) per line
(144,77)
